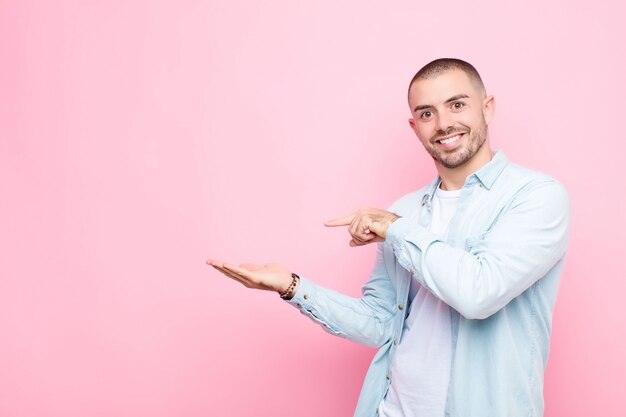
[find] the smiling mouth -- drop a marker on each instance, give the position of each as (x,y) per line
(450,139)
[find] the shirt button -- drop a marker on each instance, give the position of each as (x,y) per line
(400,307)
(482,186)
(306,296)
(395,341)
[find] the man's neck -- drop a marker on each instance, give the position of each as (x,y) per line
(454,178)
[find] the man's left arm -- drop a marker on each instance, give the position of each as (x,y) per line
(525,243)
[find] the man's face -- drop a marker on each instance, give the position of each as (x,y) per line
(450,117)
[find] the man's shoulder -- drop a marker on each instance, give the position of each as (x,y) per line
(519,184)
(519,176)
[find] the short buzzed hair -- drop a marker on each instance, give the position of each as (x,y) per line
(441,65)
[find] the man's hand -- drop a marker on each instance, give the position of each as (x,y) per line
(366,225)
(269,277)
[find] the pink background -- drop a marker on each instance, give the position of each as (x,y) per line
(138,138)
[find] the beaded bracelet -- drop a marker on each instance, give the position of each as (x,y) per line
(294,281)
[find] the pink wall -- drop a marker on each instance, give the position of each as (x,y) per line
(138,138)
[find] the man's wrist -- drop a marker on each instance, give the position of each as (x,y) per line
(390,220)
(291,290)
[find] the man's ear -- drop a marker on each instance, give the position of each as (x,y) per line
(412,123)
(489,107)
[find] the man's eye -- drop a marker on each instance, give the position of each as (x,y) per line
(458,105)
(426,115)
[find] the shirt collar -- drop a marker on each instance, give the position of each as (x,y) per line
(487,175)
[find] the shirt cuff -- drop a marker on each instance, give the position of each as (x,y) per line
(303,295)
(406,235)
(405,229)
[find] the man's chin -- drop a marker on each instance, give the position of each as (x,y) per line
(452,163)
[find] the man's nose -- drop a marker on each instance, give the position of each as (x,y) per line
(444,122)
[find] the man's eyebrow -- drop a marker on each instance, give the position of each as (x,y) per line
(453,98)
(422,107)
(457,97)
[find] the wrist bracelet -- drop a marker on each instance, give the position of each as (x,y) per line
(294,281)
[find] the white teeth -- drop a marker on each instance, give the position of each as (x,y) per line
(450,140)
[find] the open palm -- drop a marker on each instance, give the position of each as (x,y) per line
(270,277)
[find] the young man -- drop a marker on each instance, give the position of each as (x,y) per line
(461,297)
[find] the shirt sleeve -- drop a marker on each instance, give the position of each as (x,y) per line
(525,242)
(365,320)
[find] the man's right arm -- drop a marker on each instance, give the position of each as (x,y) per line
(366,320)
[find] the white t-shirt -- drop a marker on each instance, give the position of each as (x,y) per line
(420,369)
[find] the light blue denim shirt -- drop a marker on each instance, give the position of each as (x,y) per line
(499,270)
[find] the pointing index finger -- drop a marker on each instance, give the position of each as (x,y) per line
(340,221)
